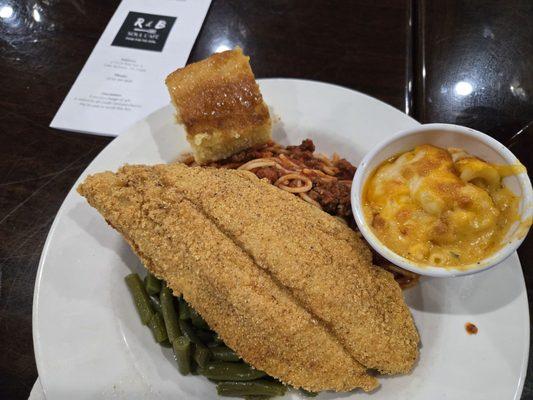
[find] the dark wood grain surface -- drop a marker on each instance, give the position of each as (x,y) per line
(474,67)
(378,47)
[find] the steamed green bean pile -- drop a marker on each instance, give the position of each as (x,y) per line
(197,349)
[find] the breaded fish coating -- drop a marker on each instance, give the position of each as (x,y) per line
(255,315)
(320,260)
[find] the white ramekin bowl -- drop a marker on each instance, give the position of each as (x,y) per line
(445,135)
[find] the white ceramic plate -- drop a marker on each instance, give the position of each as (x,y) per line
(88,339)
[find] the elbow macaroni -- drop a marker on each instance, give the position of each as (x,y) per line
(439,207)
(478,172)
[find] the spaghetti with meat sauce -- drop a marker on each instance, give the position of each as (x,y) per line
(322,181)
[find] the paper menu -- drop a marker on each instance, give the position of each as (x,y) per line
(123,78)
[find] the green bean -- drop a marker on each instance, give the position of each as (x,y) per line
(201,355)
(197,320)
(258,397)
(140,297)
(194,367)
(157,326)
(252,388)
(185,311)
(215,342)
(205,336)
(230,371)
(182,351)
(187,330)
(166,343)
(156,304)
(169,313)
(308,394)
(223,353)
(152,284)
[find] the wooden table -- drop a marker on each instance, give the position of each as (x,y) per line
(440,61)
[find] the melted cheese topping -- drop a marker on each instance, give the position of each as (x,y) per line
(439,207)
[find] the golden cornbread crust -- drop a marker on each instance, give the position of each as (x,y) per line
(220,105)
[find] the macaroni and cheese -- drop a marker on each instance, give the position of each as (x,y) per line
(439,207)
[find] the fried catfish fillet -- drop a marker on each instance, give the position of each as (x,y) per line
(255,315)
(319,259)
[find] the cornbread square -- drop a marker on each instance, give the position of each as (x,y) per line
(219,102)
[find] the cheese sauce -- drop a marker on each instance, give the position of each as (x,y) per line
(440,207)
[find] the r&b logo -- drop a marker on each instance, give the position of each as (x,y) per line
(144,31)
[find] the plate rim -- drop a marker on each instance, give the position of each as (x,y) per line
(116,142)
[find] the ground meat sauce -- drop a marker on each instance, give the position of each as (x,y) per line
(272,174)
(334,197)
(347,170)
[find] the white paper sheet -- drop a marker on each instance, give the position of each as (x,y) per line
(123,78)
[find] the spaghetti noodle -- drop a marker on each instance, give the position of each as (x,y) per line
(321,181)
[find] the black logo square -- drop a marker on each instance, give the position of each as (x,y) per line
(144,31)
